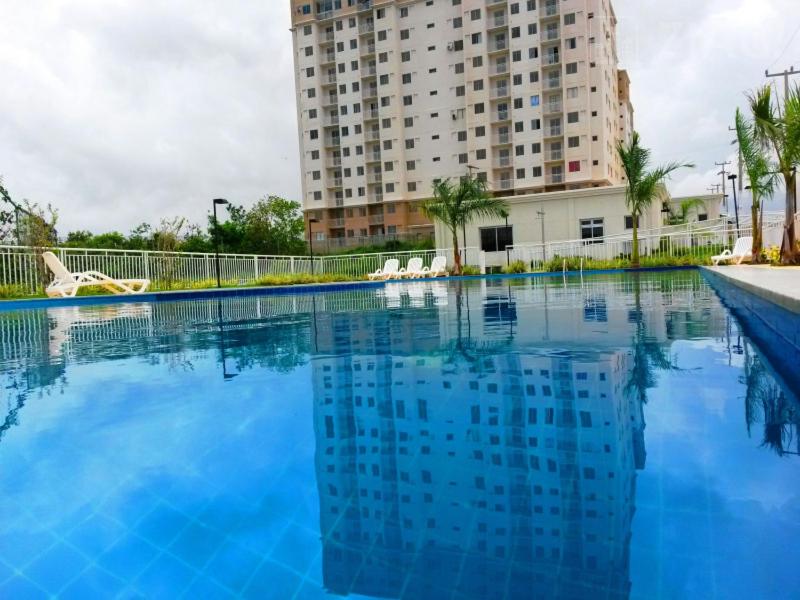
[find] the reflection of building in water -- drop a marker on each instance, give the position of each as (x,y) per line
(510,476)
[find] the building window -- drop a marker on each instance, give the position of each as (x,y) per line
(629,222)
(496,239)
(574,166)
(702,217)
(592,230)
(569,19)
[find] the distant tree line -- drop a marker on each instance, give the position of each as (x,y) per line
(273,225)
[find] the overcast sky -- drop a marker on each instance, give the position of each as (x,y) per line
(122,111)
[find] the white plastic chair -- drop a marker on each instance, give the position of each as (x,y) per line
(742,250)
(66,284)
(389,270)
(413,269)
(438,268)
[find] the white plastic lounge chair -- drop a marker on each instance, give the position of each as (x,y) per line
(742,250)
(413,269)
(437,269)
(66,284)
(388,271)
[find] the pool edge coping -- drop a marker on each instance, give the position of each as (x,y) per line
(787,302)
(306,288)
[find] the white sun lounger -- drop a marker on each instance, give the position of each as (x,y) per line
(438,268)
(389,270)
(66,284)
(413,269)
(742,250)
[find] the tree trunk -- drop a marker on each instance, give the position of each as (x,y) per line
(456,255)
(635,249)
(757,234)
(789,251)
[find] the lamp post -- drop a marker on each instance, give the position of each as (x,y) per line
(732,177)
(311,243)
(216,237)
(508,258)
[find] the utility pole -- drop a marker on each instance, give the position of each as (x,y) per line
(741,173)
(785,74)
(724,174)
(714,189)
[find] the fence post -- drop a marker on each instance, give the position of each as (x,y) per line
(291,264)
(146,261)
(255,266)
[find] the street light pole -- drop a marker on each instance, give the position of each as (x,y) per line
(544,247)
(311,242)
(733,177)
(216,237)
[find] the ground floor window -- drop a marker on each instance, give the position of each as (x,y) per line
(629,222)
(592,230)
(496,239)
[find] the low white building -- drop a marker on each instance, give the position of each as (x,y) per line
(584,216)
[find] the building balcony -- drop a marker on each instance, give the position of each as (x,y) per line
(373,157)
(553,132)
(551,59)
(497,22)
(374,177)
(328,58)
(372,135)
(333,141)
(370,92)
(330,100)
(500,92)
(496,2)
(335,182)
(367,50)
(553,83)
(502,162)
(327,36)
(554,178)
(550,9)
(375,198)
(551,34)
(331,121)
(506,184)
(371,114)
(501,139)
(369,71)
(364,28)
(554,156)
(498,69)
(376,219)
(501,115)
(552,108)
(328,80)
(334,162)
(335,223)
(498,45)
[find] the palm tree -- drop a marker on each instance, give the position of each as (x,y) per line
(642,186)
(681,216)
(759,172)
(777,128)
(456,205)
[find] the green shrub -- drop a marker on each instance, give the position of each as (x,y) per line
(470,270)
(7,292)
(302,278)
(517,266)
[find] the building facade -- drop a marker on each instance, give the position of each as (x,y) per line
(395,94)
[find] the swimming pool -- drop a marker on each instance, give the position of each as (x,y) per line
(608,437)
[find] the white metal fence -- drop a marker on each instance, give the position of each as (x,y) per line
(21,265)
(698,240)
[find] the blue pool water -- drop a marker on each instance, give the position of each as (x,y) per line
(613,437)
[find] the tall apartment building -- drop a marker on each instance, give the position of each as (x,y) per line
(394,94)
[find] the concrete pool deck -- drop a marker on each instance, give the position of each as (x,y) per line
(780,285)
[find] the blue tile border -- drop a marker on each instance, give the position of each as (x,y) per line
(313,288)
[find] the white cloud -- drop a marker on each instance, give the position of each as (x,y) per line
(118,111)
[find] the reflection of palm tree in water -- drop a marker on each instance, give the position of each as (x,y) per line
(766,401)
(648,355)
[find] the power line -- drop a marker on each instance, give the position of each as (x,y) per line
(789,43)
